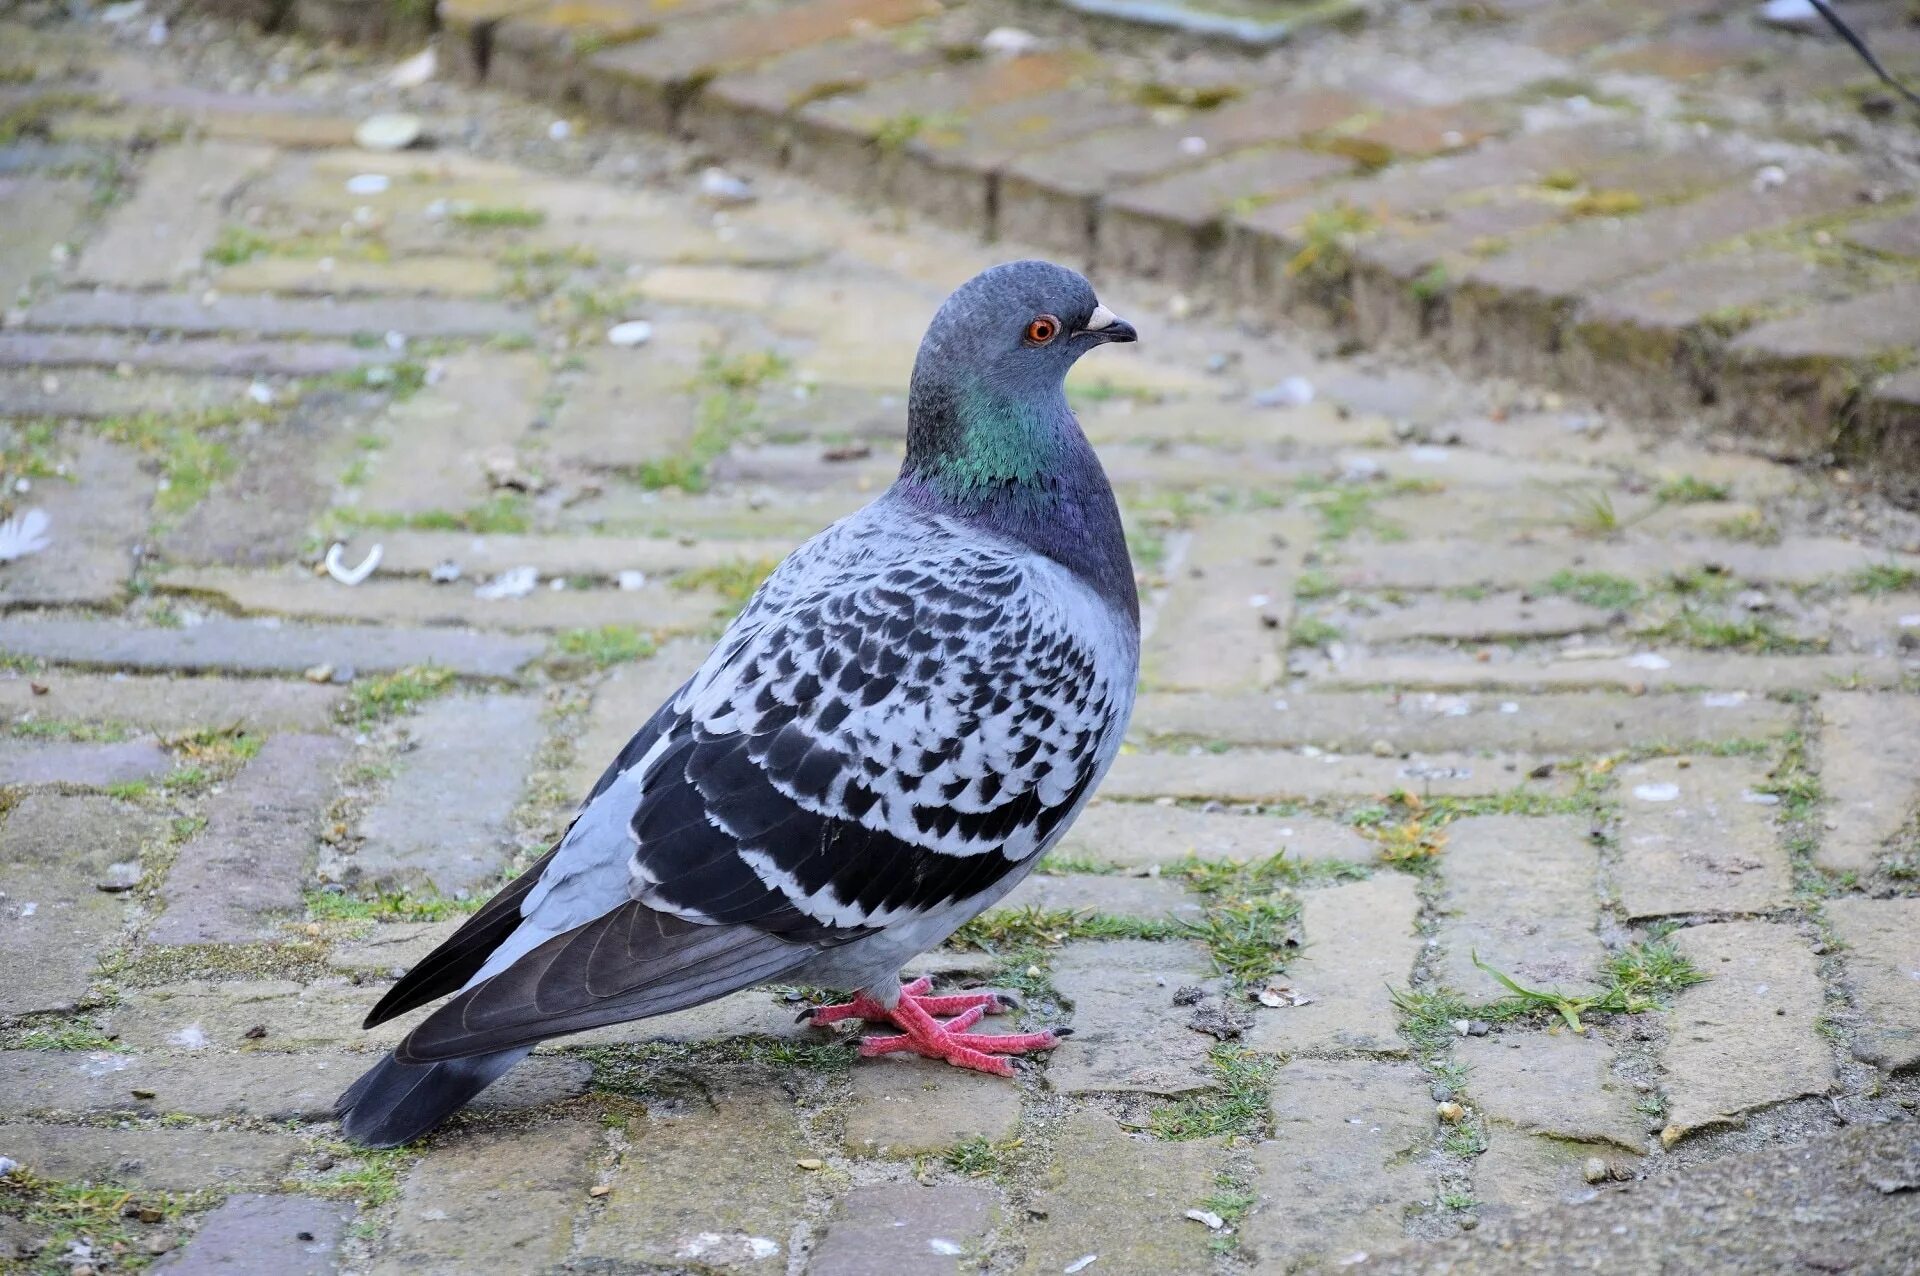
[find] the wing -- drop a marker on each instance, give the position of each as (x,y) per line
(917,714)
(901,716)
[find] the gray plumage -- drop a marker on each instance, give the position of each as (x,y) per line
(906,715)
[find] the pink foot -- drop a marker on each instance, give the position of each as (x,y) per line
(925,1035)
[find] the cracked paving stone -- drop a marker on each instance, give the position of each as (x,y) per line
(168,705)
(1698,836)
(159,235)
(1246,775)
(1552,1083)
(1867,747)
(1747,1037)
(1882,945)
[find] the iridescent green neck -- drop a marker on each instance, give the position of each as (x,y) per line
(973,442)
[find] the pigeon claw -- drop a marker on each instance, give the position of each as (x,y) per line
(864,1007)
(925,1035)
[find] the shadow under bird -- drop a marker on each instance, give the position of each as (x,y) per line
(910,711)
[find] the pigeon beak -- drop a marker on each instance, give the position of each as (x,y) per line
(1104,325)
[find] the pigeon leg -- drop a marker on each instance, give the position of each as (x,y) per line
(925,1035)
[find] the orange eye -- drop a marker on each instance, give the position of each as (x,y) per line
(1042,330)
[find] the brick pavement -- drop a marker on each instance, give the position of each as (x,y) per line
(1516,685)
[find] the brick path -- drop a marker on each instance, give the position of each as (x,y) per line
(1607,708)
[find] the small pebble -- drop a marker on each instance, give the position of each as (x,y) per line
(810,1163)
(1450,1112)
(1595,1170)
(634,332)
(599,1189)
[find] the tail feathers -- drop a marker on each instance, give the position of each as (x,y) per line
(397,1102)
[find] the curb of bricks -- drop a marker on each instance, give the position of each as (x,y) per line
(1275,201)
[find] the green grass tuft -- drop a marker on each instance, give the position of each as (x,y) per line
(389,696)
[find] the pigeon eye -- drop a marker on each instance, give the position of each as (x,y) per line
(1042,330)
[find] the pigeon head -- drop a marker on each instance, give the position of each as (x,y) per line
(988,403)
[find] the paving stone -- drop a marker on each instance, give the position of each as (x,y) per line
(248,867)
(1748,1036)
(297,592)
(1344,1162)
(175,214)
(1520,892)
(1132,1212)
(1897,236)
(202,1015)
(650,392)
(166,706)
(904,1229)
(265,511)
(391,948)
(1136,835)
(170,1160)
(1128,1033)
(1698,838)
(1508,616)
(437,443)
(1248,776)
(97,395)
(1433,722)
(713,1182)
(743,111)
(297,1235)
(443,822)
(1218,627)
(94,523)
(1614,668)
(1520,1173)
(210,355)
(602,557)
(1553,1083)
(272,1087)
(1461,564)
(46,211)
(907,1107)
(264,646)
(55,922)
(1148,897)
(92,766)
(1866,746)
(1882,939)
(493,1200)
(414,317)
(1360,943)
(438,274)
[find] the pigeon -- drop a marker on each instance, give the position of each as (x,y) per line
(912,708)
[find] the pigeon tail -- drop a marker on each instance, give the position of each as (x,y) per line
(397,1102)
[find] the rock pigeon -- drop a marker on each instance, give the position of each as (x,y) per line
(906,715)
